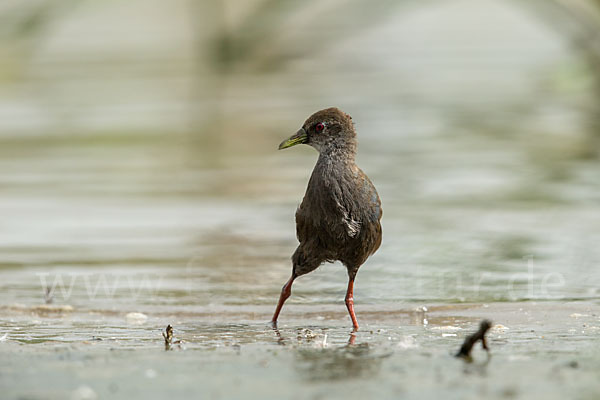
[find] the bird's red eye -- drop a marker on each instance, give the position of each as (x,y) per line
(319,127)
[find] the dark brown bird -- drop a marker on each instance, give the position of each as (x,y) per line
(339,218)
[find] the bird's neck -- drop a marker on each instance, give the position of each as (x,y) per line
(337,158)
(338,150)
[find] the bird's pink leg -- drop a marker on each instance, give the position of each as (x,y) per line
(350,303)
(286,291)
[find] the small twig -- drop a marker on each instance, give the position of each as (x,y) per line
(467,346)
(169,342)
(168,335)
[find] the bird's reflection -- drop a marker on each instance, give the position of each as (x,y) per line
(352,338)
(346,362)
(282,340)
(316,359)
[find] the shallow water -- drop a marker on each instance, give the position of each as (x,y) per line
(542,349)
(206,249)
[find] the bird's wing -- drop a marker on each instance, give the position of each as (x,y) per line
(344,205)
(365,209)
(326,208)
(301,225)
(351,223)
(374,210)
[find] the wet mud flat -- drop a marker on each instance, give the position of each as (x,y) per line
(538,350)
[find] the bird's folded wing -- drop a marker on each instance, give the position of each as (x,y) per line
(364,209)
(351,224)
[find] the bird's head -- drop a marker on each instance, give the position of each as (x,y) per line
(327,130)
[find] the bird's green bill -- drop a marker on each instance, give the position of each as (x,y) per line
(298,138)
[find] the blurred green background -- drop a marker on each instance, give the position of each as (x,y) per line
(144,134)
(237,68)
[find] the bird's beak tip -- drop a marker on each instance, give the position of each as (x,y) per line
(298,138)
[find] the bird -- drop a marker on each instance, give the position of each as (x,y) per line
(339,218)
